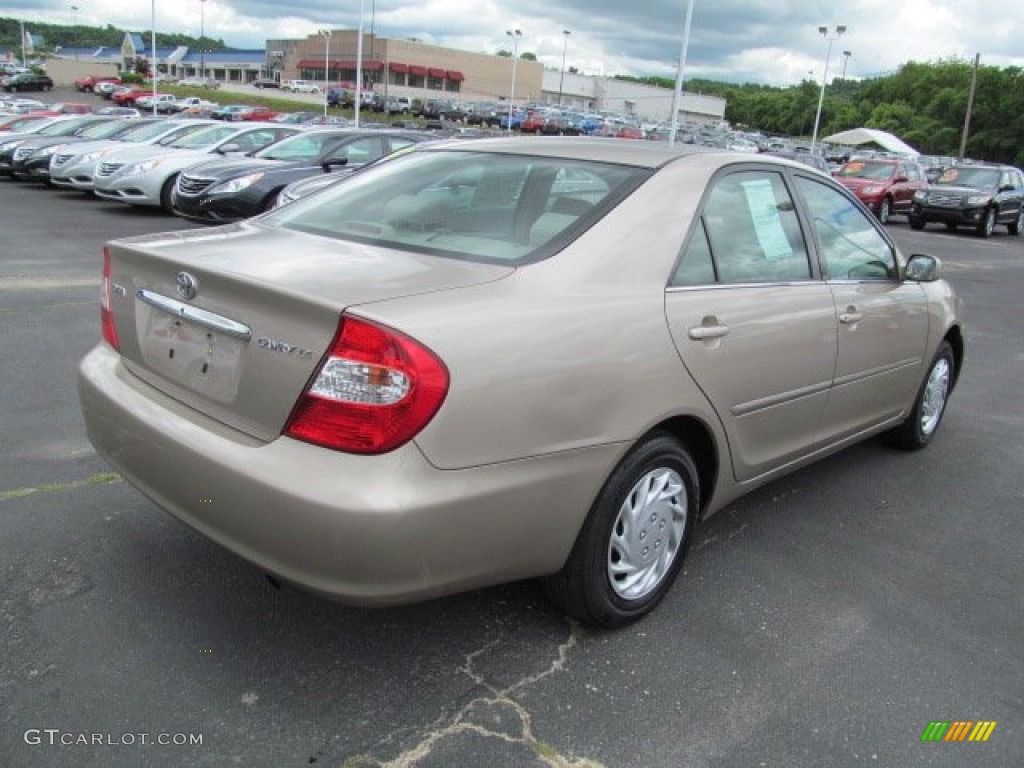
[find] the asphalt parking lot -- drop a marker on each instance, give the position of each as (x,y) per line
(824,620)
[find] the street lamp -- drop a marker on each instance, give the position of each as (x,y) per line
(74,27)
(561,80)
(846,59)
(830,36)
(152,45)
(677,90)
(202,34)
(515,34)
(359,64)
(327,64)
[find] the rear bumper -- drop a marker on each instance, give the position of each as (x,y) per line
(362,529)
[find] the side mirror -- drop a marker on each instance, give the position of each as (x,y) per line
(922,268)
(1006,187)
(901,180)
(334,162)
(227,149)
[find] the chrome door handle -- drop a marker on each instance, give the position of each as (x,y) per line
(850,317)
(704,332)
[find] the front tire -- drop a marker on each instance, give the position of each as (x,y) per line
(165,194)
(986,227)
(923,421)
(916,223)
(885,211)
(633,542)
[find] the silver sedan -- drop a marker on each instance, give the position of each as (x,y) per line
(512,358)
(146,175)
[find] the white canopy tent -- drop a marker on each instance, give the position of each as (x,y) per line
(867,135)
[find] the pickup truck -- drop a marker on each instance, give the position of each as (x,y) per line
(188,102)
(300,86)
(160,101)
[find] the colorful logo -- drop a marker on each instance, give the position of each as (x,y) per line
(958,730)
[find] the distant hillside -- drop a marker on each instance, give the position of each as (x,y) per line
(80,36)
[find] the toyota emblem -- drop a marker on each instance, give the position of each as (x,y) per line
(186,286)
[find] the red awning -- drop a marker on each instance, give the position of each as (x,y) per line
(435,72)
(455,77)
(394,66)
(416,69)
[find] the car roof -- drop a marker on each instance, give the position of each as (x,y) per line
(626,152)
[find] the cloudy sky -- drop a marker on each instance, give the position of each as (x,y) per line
(760,41)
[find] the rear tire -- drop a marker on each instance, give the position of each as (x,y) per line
(1016,227)
(633,542)
(925,417)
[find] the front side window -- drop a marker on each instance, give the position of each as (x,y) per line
(753,230)
(852,248)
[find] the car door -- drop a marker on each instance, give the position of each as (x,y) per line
(1010,198)
(752,322)
(882,322)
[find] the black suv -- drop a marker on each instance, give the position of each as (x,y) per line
(24,82)
(975,195)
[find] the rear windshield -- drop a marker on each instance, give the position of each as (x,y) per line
(508,209)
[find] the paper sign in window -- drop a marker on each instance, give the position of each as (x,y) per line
(764,212)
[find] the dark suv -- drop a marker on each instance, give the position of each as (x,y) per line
(25,82)
(976,195)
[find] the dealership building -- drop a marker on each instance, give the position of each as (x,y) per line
(417,70)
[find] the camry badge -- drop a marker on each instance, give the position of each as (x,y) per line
(186,285)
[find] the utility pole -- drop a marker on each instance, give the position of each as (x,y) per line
(970,108)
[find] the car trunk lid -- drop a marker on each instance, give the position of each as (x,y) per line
(234,321)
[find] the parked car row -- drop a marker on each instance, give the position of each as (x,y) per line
(201,169)
(976,195)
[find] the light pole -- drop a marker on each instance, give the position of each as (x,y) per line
(202,34)
(74,27)
(830,36)
(846,59)
(327,63)
(359,64)
(677,91)
(515,34)
(152,45)
(561,80)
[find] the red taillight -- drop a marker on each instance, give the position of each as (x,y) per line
(374,391)
(106,313)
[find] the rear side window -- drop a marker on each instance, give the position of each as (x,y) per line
(750,233)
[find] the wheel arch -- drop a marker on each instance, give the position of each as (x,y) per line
(700,442)
(955,338)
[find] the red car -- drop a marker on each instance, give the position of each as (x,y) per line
(885,185)
(127,96)
(256,113)
(89,82)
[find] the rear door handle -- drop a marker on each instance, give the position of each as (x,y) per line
(850,317)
